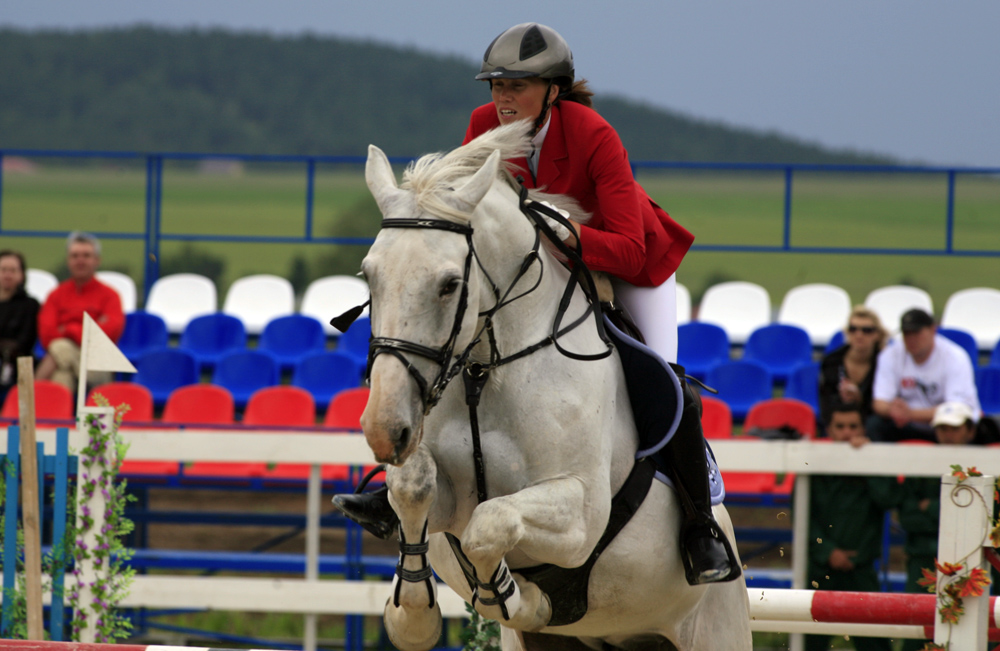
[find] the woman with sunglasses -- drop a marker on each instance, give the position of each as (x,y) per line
(847,373)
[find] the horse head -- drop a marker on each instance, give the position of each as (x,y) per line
(425,297)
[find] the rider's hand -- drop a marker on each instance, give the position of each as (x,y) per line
(561,231)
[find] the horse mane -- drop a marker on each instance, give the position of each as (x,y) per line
(433,173)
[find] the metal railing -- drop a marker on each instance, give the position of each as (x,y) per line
(153,234)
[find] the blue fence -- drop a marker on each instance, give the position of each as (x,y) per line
(153,234)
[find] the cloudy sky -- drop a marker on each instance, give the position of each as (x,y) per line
(919,80)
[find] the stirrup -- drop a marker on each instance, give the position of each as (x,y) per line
(710,529)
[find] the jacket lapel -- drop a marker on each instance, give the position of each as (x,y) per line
(554,157)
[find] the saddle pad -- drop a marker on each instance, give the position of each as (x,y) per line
(656,398)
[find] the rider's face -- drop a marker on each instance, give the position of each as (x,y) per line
(520,99)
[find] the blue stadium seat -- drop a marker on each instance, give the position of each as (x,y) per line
(700,346)
(292,338)
(245,371)
(326,374)
(780,348)
(803,384)
(354,342)
(836,341)
(988,385)
(965,340)
(162,371)
(995,356)
(143,332)
(212,336)
(740,384)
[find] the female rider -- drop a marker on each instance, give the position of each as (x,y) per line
(577,153)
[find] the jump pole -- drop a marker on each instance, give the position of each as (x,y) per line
(31,645)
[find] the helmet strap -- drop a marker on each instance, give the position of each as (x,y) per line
(540,120)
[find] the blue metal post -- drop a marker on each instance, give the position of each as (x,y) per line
(950,233)
(1,186)
(310,195)
(59,505)
(787,230)
(12,468)
(149,268)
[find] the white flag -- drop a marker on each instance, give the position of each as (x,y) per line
(101,354)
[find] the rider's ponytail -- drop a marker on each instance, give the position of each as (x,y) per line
(580,93)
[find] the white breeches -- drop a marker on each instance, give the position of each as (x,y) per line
(654,311)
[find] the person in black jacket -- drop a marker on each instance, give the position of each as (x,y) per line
(846,374)
(18,318)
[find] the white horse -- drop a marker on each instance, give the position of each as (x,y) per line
(558,437)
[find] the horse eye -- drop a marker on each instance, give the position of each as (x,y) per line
(449,287)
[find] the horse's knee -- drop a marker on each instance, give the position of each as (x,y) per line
(494,529)
(412,486)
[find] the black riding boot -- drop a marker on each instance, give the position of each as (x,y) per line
(706,552)
(371,510)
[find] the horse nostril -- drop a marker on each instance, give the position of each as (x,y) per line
(404,439)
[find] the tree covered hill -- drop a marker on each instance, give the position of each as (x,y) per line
(217,91)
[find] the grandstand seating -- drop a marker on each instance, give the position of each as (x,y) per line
(137,397)
(329,297)
(716,418)
(891,302)
(52,402)
(124,285)
(995,355)
(803,384)
(700,346)
(977,311)
(354,342)
(988,386)
(281,406)
(836,341)
(965,340)
(345,409)
(292,338)
(683,304)
(178,298)
(245,371)
(257,300)
(40,283)
(776,413)
(162,371)
(780,348)
(325,374)
(738,307)
(199,404)
(740,384)
(143,332)
(211,337)
(819,309)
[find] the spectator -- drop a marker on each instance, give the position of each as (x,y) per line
(60,323)
(18,318)
(846,516)
(847,373)
(913,378)
(920,505)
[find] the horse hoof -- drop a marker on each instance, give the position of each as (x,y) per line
(412,631)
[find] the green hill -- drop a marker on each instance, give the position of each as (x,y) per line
(218,91)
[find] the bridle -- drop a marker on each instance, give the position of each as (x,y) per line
(450,363)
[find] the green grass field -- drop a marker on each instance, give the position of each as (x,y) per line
(722,208)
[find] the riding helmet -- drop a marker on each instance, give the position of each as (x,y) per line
(529,50)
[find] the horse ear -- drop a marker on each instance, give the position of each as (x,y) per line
(381,181)
(468,196)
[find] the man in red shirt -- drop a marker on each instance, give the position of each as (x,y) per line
(60,322)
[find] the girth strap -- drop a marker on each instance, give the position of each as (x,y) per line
(567,587)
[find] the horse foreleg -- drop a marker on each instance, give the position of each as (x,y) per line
(412,614)
(548,522)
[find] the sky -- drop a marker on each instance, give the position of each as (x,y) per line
(915,79)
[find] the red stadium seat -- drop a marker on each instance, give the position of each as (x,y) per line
(345,409)
(52,402)
(199,404)
(279,406)
(716,418)
(780,412)
(140,402)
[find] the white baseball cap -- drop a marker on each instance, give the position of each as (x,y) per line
(952,413)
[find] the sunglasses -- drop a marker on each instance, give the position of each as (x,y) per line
(865,329)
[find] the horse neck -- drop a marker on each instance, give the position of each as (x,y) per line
(508,238)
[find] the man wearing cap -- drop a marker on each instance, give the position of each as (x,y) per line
(916,375)
(920,502)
